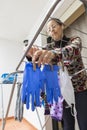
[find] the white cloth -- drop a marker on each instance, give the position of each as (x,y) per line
(68,92)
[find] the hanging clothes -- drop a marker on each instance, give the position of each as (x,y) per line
(56,111)
(32,84)
(43,79)
(68,93)
(19,105)
(52,83)
(45,104)
(8,78)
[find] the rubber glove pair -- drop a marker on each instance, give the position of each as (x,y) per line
(52,83)
(38,80)
(31,86)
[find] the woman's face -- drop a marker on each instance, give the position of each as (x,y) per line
(54,30)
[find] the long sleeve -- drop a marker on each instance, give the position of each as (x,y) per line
(68,53)
(71,56)
(72,50)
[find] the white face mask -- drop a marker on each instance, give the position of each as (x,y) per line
(66,87)
(67,92)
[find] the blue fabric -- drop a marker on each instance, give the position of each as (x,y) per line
(32,83)
(35,81)
(7,78)
(52,84)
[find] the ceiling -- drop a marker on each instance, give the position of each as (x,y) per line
(17,17)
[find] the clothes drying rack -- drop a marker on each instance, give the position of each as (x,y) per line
(17,68)
(1,87)
(49,12)
(2,106)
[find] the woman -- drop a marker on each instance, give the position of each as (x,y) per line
(68,50)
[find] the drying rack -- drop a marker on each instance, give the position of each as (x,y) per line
(2,106)
(49,12)
(17,68)
(15,81)
(1,83)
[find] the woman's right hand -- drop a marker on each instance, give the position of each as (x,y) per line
(40,56)
(32,50)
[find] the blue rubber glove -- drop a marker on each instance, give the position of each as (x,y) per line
(32,84)
(25,96)
(52,84)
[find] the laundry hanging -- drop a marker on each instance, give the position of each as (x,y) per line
(66,87)
(40,80)
(56,111)
(8,78)
(52,83)
(67,91)
(31,86)
(19,108)
(45,103)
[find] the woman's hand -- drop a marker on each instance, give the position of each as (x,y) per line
(42,57)
(32,50)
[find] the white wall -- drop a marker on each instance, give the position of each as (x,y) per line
(10,54)
(6,95)
(32,117)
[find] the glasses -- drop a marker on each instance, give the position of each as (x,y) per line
(51,28)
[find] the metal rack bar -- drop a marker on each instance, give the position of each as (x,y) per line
(39,30)
(79,72)
(2,106)
(12,91)
(33,40)
(8,108)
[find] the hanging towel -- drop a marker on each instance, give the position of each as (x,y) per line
(7,78)
(56,110)
(19,105)
(67,91)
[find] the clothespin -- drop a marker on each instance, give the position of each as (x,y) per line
(51,66)
(34,66)
(62,64)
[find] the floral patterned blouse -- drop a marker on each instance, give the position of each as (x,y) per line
(69,50)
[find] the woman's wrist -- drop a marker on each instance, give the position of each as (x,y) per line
(54,59)
(54,53)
